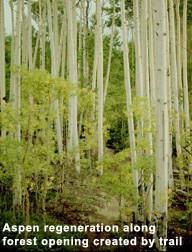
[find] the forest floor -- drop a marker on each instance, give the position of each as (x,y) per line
(179,225)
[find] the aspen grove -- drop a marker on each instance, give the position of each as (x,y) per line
(96,107)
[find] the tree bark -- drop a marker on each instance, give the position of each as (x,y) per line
(174,79)
(110,54)
(185,80)
(100,83)
(128,96)
(2,62)
(73,141)
(55,66)
(162,122)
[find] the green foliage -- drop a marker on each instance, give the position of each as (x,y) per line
(117,181)
(35,155)
(184,161)
(115,106)
(144,118)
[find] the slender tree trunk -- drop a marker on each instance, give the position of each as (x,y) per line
(24,40)
(29,38)
(169,95)
(179,67)
(162,122)
(174,79)
(110,54)
(42,30)
(100,83)
(146,61)
(175,87)
(151,53)
(128,95)
(17,63)
(73,142)
(12,83)
(85,61)
(139,69)
(185,80)
(55,55)
(16,90)
(63,68)
(2,62)
(140,47)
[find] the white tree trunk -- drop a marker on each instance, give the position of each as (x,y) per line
(12,83)
(185,80)
(179,68)
(42,31)
(17,63)
(128,94)
(15,96)
(29,38)
(100,82)
(73,141)
(110,54)
(151,53)
(55,55)
(174,79)
(139,69)
(162,122)
(2,62)
(169,95)
(85,51)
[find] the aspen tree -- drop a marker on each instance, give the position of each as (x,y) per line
(178,47)
(110,54)
(175,87)
(140,83)
(162,121)
(94,74)
(169,95)
(17,63)
(24,40)
(29,43)
(146,64)
(73,141)
(85,57)
(2,61)
(64,47)
(63,65)
(144,46)
(144,92)
(100,82)
(15,91)
(29,37)
(174,79)
(12,86)
(94,83)
(29,58)
(141,50)
(139,69)
(80,44)
(151,53)
(185,80)
(42,30)
(55,54)
(128,93)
